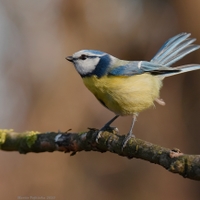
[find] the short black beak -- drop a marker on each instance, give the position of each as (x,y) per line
(69,58)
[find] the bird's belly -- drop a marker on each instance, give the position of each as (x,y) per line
(125,95)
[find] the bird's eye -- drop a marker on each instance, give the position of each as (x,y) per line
(83,57)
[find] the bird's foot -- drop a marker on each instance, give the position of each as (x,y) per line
(115,130)
(126,139)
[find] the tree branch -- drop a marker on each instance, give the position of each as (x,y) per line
(173,160)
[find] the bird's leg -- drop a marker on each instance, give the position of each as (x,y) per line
(109,123)
(130,133)
(106,126)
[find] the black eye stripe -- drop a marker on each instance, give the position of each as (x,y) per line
(86,56)
(83,57)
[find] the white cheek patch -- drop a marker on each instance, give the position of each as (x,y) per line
(86,66)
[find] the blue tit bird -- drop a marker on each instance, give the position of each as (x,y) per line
(129,87)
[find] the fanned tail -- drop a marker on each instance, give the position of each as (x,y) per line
(174,49)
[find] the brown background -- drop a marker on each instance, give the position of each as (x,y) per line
(41,91)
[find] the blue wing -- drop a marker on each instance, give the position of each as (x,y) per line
(140,67)
(173,50)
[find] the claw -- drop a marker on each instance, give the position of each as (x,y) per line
(115,130)
(106,127)
(127,138)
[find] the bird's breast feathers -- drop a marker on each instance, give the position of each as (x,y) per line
(125,95)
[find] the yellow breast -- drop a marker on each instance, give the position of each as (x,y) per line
(125,95)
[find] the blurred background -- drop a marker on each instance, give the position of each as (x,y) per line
(41,91)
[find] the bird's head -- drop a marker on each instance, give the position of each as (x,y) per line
(91,62)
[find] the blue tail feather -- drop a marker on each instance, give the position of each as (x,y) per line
(181,54)
(174,49)
(181,47)
(182,69)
